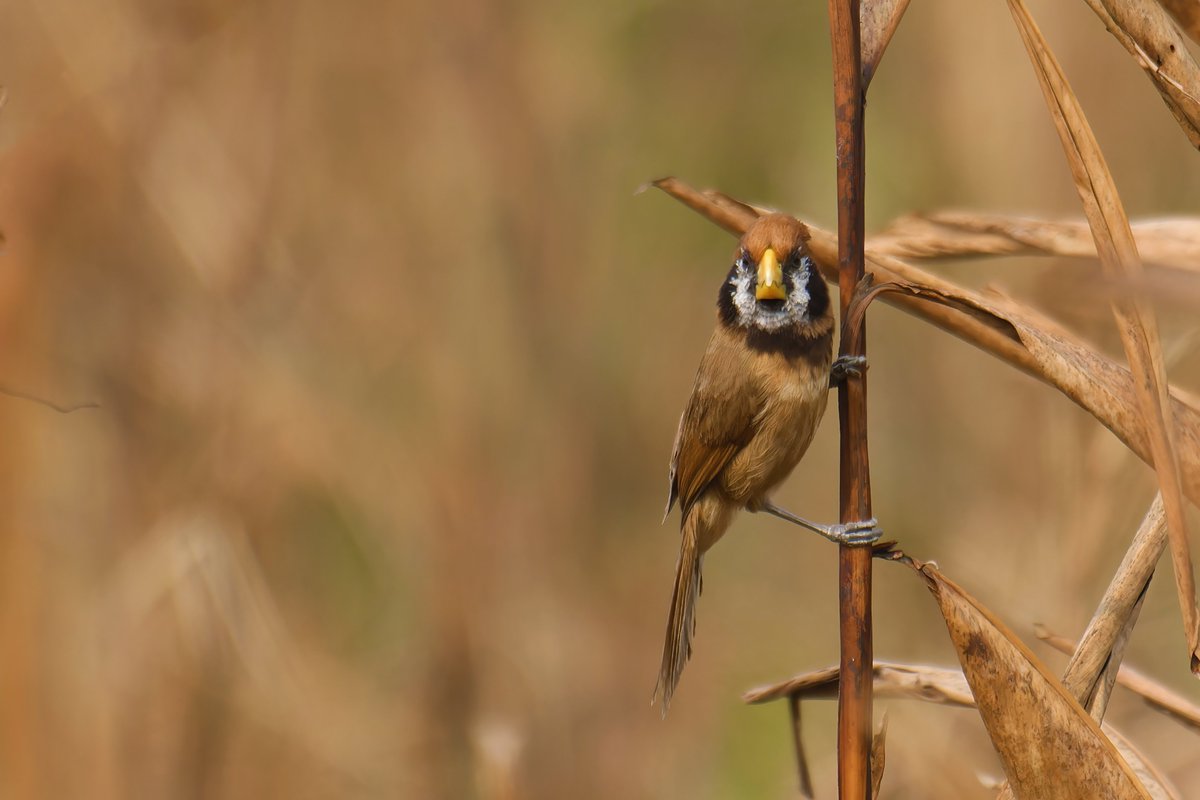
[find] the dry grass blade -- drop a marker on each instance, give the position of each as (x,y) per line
(1151,691)
(1037,727)
(878,755)
(1187,14)
(892,681)
(1008,330)
(62,408)
(1146,31)
(1135,318)
(1172,243)
(878,20)
(1098,651)
(735,217)
(804,776)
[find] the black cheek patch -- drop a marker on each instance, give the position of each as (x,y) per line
(818,293)
(725,308)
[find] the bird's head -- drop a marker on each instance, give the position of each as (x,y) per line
(774,284)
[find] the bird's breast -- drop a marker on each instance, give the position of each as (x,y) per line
(794,396)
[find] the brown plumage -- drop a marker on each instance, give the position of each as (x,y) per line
(760,392)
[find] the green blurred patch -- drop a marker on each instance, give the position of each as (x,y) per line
(756,753)
(331,575)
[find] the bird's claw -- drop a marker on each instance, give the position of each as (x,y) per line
(845,366)
(855,534)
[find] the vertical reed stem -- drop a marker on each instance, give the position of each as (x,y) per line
(854,563)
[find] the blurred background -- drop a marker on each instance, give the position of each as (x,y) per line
(389,359)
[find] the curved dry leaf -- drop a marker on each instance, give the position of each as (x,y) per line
(1008,330)
(1048,744)
(1172,242)
(878,20)
(1136,321)
(1145,30)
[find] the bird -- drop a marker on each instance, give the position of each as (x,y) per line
(759,394)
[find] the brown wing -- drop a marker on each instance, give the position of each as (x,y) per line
(718,420)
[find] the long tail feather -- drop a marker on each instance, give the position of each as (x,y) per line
(681,623)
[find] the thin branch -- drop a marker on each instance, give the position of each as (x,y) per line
(41,401)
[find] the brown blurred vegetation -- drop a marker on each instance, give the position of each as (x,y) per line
(390,359)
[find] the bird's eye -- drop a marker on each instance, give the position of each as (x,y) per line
(743,261)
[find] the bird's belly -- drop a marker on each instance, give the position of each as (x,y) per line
(783,433)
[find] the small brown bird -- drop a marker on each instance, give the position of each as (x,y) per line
(759,395)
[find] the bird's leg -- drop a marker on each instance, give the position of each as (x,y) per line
(845,366)
(849,533)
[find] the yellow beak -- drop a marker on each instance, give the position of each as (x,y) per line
(770,278)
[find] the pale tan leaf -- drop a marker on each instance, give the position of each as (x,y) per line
(1135,317)
(903,681)
(1146,31)
(1172,243)
(878,20)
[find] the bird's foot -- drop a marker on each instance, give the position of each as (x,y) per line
(851,534)
(854,534)
(846,366)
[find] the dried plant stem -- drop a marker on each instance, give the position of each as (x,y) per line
(1135,317)
(1157,696)
(1117,611)
(806,786)
(854,563)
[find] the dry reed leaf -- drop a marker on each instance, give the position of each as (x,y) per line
(1173,243)
(1144,29)
(1153,779)
(941,686)
(1154,694)
(1049,746)
(1187,14)
(892,681)
(878,20)
(1135,318)
(1008,330)
(732,215)
(1117,611)
(878,755)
